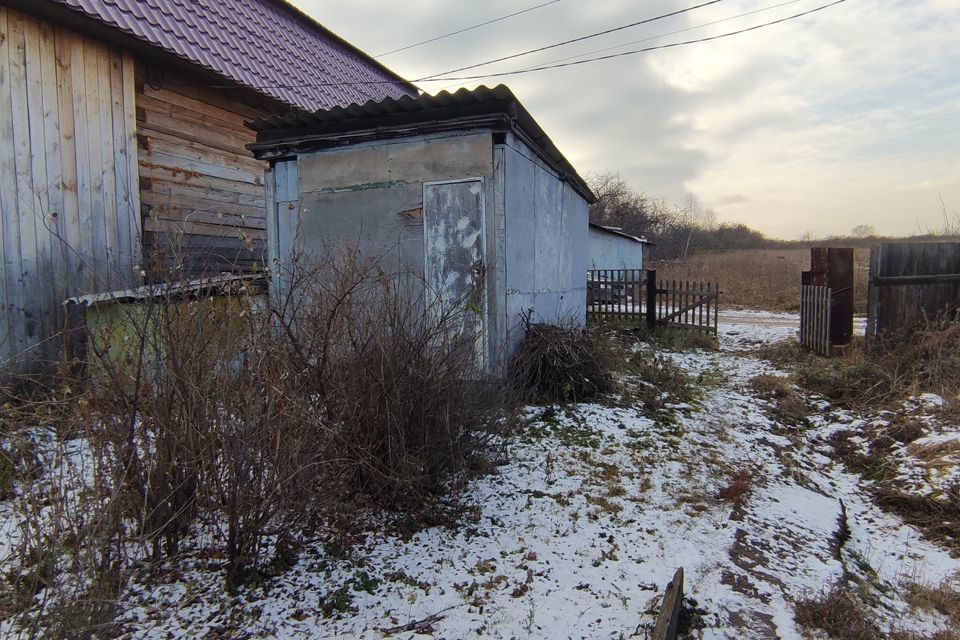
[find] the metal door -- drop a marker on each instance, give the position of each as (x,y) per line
(454,255)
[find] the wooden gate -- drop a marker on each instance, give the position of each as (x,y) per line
(911,285)
(815,303)
(634,295)
(682,303)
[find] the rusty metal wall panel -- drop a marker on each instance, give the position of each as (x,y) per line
(840,282)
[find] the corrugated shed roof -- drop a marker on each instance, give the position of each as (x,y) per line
(266,45)
(617,231)
(482,107)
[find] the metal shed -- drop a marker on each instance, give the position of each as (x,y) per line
(464,188)
(611,248)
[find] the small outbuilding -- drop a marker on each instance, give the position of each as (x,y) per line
(612,249)
(465,189)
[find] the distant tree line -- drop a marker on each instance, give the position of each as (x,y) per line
(680,231)
(676,231)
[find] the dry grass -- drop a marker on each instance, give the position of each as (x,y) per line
(760,278)
(942,598)
(789,407)
(738,488)
(840,614)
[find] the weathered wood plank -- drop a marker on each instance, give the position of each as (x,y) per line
(69,219)
(178,165)
(182,207)
(51,124)
(24,308)
(9,222)
(86,259)
(215,136)
(203,228)
(40,276)
(198,152)
(111,232)
(187,91)
(227,197)
(97,249)
(122,194)
(128,69)
(670,606)
(179,106)
(162,174)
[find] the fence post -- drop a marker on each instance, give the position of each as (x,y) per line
(652,298)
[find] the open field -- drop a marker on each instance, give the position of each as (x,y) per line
(760,278)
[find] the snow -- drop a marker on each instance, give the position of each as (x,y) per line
(577,537)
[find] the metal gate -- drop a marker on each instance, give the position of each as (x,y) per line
(815,303)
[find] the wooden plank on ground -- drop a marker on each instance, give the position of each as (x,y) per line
(670,606)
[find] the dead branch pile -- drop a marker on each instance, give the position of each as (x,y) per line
(559,364)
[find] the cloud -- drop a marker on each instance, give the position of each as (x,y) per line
(847,116)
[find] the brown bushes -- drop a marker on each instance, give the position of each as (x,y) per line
(217,422)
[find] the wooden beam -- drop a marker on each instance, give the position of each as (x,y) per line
(669,618)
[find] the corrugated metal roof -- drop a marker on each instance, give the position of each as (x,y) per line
(226,283)
(482,107)
(617,231)
(266,45)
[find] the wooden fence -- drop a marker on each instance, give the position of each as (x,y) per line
(615,294)
(634,295)
(815,303)
(912,284)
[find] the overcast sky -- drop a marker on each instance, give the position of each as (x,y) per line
(848,116)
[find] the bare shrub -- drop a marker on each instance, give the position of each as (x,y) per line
(840,614)
(209,420)
(403,392)
(559,364)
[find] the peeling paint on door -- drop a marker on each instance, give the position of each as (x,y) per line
(454,252)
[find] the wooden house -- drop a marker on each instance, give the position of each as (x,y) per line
(122,142)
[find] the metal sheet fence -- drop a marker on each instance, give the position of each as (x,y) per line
(815,318)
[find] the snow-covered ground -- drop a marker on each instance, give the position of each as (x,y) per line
(578,534)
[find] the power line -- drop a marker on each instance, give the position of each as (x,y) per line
(580,39)
(465,29)
(543,67)
(662,35)
(634,52)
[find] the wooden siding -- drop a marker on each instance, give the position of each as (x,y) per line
(69,197)
(202,192)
